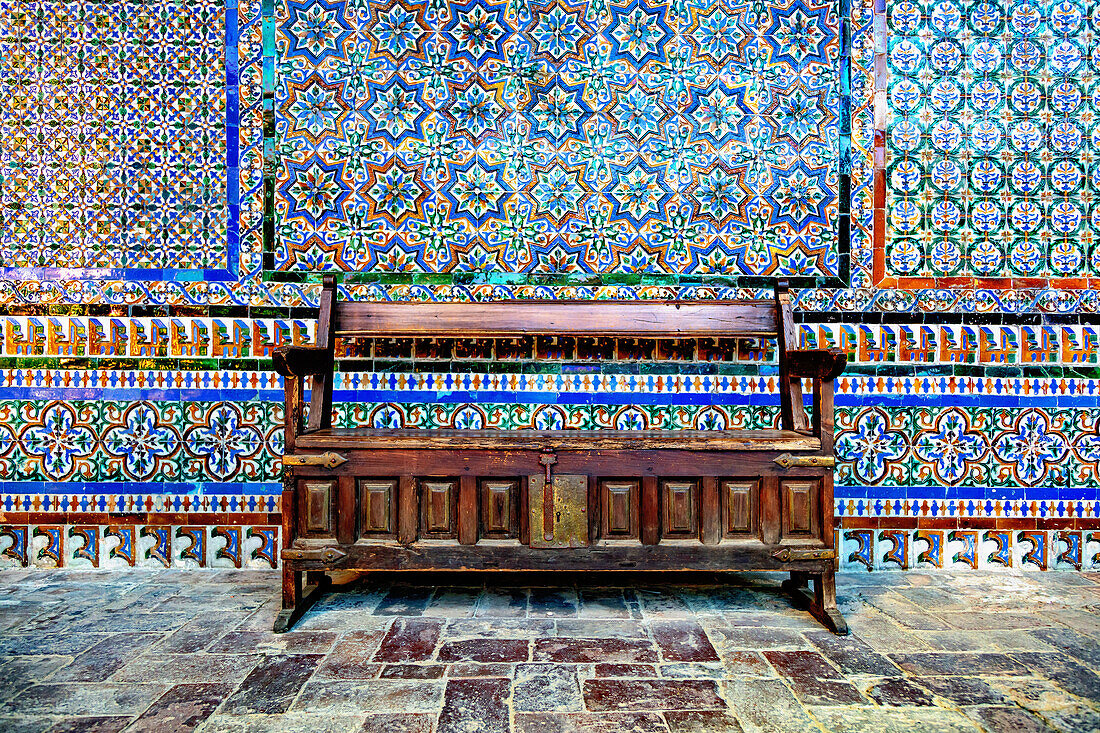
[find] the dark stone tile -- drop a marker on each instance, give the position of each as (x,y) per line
(476,669)
(702,721)
(757,638)
(294,642)
(590,723)
(410,640)
(91,724)
(272,685)
(1005,719)
(1075,718)
(412,671)
(405,723)
(799,665)
(625,670)
(119,621)
(19,673)
(502,602)
(484,650)
(350,657)
(851,654)
(964,664)
(16,644)
(604,694)
(182,708)
(683,641)
(552,602)
(1069,674)
(475,705)
(195,635)
(597,603)
(961,690)
(184,668)
(404,600)
(1073,643)
(898,691)
(594,650)
(546,688)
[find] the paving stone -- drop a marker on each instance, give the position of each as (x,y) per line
(757,638)
(343,697)
(984,621)
(546,688)
(594,650)
(746,663)
(410,640)
(182,708)
(702,721)
(19,673)
(851,654)
(613,694)
(293,642)
(484,650)
(693,670)
(590,723)
(350,656)
(660,605)
(25,724)
(404,601)
(1033,692)
(625,670)
(287,723)
(404,723)
(1069,674)
(82,698)
(590,629)
(999,640)
(603,604)
(498,628)
(453,603)
(1075,644)
(181,668)
(476,669)
(965,663)
(813,680)
(1005,719)
(272,685)
(899,692)
(683,641)
(1074,718)
(552,603)
(961,690)
(858,719)
(475,706)
(504,602)
(412,672)
(83,724)
(49,643)
(766,706)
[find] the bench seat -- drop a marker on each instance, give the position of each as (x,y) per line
(451,439)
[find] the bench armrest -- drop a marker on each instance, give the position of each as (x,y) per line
(816,363)
(302,361)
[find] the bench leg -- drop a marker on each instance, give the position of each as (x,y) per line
(298,599)
(822,604)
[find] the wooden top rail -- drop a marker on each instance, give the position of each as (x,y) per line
(653,319)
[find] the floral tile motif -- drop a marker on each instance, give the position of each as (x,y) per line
(138,109)
(987,171)
(557,137)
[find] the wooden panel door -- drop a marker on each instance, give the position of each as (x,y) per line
(499,500)
(378,508)
(619,509)
(679,509)
(740,508)
(439,509)
(317,508)
(800,516)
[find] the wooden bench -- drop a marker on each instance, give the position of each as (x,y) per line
(394,499)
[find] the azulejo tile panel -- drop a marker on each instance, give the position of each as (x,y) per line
(557,137)
(989,169)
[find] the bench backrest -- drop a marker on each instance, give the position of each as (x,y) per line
(652,319)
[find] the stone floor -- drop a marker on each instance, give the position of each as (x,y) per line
(179,650)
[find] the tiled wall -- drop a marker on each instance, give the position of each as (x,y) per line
(924,173)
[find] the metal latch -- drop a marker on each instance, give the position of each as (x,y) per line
(327,554)
(788,461)
(558,510)
(327,459)
(794,554)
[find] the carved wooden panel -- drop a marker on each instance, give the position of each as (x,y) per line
(679,510)
(378,507)
(799,513)
(317,507)
(739,507)
(619,509)
(499,502)
(438,508)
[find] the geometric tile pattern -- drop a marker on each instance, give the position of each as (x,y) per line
(114,119)
(557,137)
(989,140)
